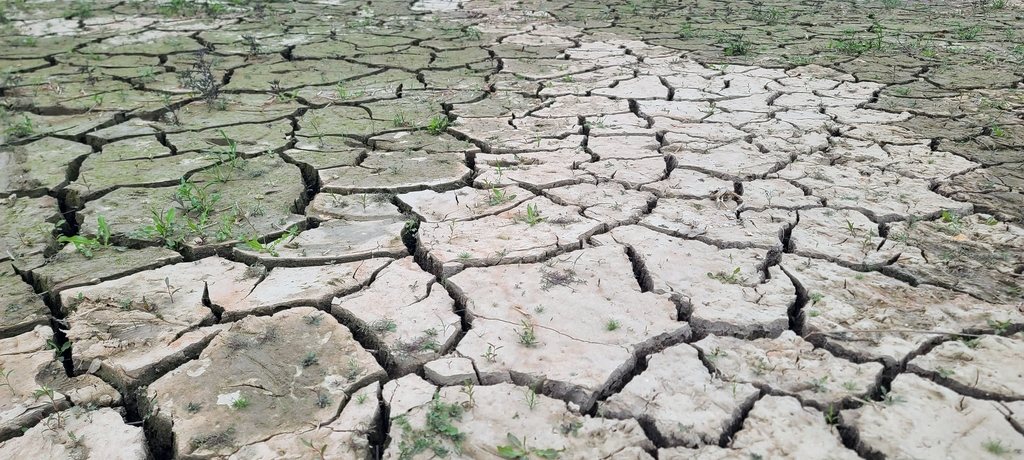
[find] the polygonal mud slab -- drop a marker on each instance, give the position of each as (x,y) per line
(994,190)
(776,193)
(24,359)
(131,330)
(332,241)
(975,254)
(718,222)
(777,427)
(687,183)
(134,148)
(405,316)
(500,135)
(347,437)
(28,225)
(631,173)
(357,206)
(574,325)
(34,168)
(262,377)
(882,196)
(643,87)
(450,371)
(790,366)
(245,139)
(286,287)
(843,236)
(463,204)
(289,75)
(81,433)
(735,161)
(988,367)
(870,316)
(21,310)
(920,419)
(489,416)
(719,291)
(100,175)
(259,198)
(532,171)
(237,109)
(70,268)
(331,153)
(680,401)
(398,172)
(533,230)
(420,140)
(608,202)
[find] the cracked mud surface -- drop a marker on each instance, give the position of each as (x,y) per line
(543,229)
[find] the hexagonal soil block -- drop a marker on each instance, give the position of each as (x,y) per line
(260,378)
(532,231)
(789,365)
(844,236)
(405,316)
(34,168)
(131,330)
(81,433)
(398,172)
(681,401)
(720,291)
(777,427)
(574,325)
(920,419)
(480,423)
(870,316)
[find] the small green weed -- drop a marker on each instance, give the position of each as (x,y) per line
(518,450)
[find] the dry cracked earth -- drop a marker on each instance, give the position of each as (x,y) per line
(521,230)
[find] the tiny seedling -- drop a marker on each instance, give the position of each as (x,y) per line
(319,452)
(518,450)
(611,325)
(1000,327)
(58,350)
(467,389)
(728,278)
(438,125)
(531,397)
(193,407)
(996,447)
(491,355)
(943,372)
(49,394)
(832,416)
(240,403)
(818,385)
(6,375)
(850,385)
(532,216)
(310,359)
(716,353)
(527,335)
(323,399)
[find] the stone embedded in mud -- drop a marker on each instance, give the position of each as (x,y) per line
(346,438)
(574,325)
(21,310)
(681,401)
(530,232)
(286,287)
(870,316)
(720,291)
(407,317)
(25,359)
(82,433)
(484,420)
(921,419)
(777,427)
(398,172)
(261,377)
(715,221)
(33,169)
(976,367)
(789,365)
(131,330)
